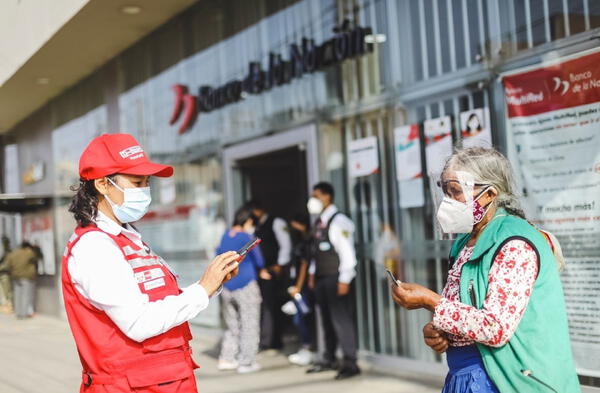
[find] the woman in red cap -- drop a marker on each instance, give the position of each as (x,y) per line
(127,313)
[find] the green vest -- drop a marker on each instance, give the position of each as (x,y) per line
(537,358)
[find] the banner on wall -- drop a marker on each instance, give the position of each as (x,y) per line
(438,143)
(409,172)
(553,123)
(363,157)
(475,128)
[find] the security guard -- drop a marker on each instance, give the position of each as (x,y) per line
(125,309)
(332,274)
(276,248)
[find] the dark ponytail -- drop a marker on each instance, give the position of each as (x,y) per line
(84,205)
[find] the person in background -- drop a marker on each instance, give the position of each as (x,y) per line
(276,247)
(501,318)
(6,297)
(332,273)
(22,267)
(303,319)
(241,299)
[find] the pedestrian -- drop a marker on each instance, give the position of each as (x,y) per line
(501,318)
(241,299)
(332,277)
(276,248)
(6,296)
(125,309)
(301,295)
(22,266)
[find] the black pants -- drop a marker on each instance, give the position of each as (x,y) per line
(272,319)
(339,325)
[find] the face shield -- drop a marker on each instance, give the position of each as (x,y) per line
(456,207)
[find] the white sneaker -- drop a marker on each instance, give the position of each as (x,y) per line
(224,365)
(303,357)
(252,368)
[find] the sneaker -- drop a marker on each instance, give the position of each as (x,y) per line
(303,357)
(251,368)
(224,365)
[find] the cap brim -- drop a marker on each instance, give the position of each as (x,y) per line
(149,169)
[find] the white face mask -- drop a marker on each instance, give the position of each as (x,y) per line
(455,216)
(135,203)
(314,205)
(458,217)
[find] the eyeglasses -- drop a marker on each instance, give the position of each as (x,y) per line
(453,188)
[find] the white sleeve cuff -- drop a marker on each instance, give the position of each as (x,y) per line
(312,268)
(346,277)
(196,294)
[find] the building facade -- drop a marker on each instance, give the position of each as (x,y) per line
(264,98)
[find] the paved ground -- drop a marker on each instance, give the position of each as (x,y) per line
(38,356)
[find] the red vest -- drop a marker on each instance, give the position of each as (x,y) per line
(112,362)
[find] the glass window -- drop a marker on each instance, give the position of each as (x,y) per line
(186,221)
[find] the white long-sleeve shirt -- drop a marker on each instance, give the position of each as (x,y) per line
(341,237)
(101,274)
(284,240)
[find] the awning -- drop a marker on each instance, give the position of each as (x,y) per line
(22,203)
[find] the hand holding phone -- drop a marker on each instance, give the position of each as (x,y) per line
(247,248)
(395,281)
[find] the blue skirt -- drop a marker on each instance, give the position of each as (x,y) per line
(467,373)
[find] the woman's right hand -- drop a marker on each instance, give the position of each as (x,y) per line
(434,338)
(218,270)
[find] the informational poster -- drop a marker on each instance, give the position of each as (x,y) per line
(409,171)
(37,230)
(553,121)
(438,143)
(363,157)
(167,190)
(475,128)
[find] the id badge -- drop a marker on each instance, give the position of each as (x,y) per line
(324,246)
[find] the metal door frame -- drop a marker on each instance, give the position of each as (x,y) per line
(305,136)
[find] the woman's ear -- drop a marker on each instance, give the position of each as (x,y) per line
(101,185)
(492,193)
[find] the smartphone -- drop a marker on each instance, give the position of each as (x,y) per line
(248,247)
(393,278)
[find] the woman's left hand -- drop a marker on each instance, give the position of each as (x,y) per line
(413,296)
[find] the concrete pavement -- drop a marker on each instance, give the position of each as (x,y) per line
(38,356)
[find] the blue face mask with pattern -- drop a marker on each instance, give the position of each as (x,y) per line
(135,203)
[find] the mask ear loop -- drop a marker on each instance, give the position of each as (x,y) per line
(118,188)
(486,208)
(115,184)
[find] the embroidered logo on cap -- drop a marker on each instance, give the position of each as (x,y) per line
(130,151)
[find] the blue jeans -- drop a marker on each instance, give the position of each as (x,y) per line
(303,322)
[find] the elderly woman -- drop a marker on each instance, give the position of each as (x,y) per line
(501,317)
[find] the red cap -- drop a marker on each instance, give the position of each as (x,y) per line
(118,153)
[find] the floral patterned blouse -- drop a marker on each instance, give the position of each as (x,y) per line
(511,281)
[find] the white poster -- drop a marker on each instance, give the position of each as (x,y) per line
(167,190)
(553,119)
(409,171)
(363,157)
(475,128)
(438,143)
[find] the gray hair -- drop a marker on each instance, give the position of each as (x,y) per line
(489,166)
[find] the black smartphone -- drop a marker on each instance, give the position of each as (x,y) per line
(248,247)
(393,278)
